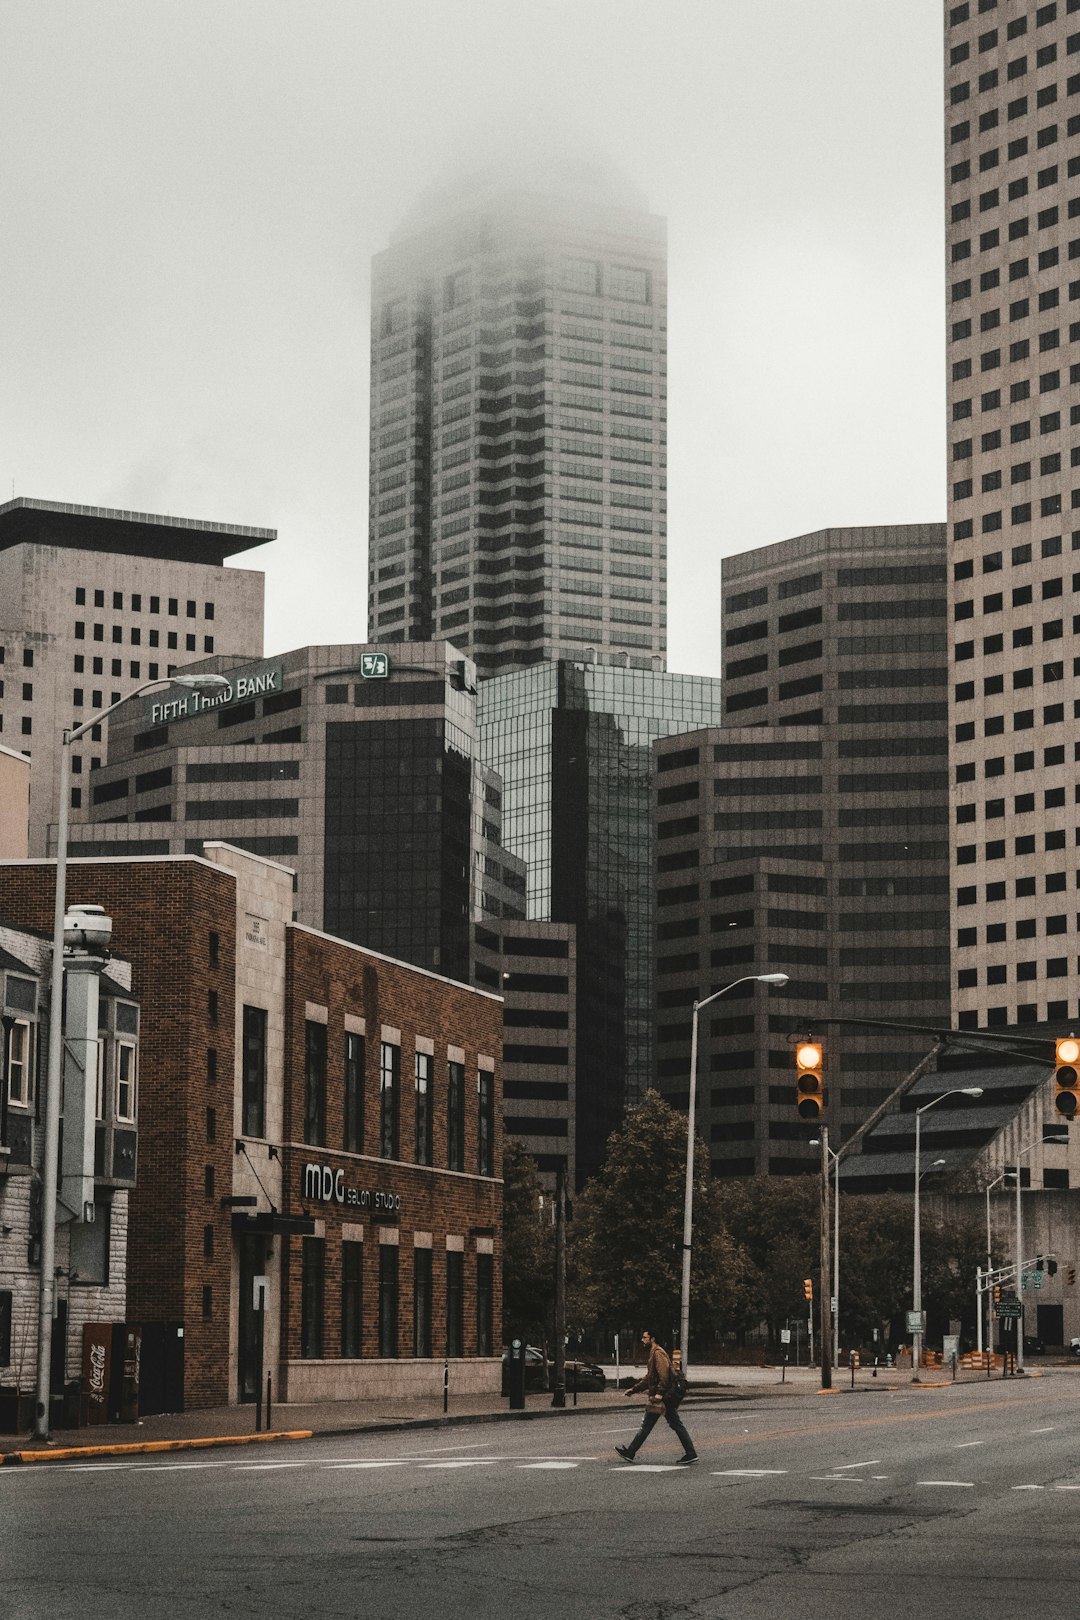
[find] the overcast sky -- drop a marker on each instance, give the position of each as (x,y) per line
(191,192)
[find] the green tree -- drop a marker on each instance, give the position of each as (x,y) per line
(626,1237)
(528,1248)
(777,1219)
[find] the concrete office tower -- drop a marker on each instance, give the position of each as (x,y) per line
(518,409)
(92,603)
(572,743)
(1013,232)
(369,786)
(808,834)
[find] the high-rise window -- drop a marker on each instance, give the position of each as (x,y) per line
(315,1084)
(352,1274)
(388,1299)
(421,1302)
(455,1300)
(312,1283)
(354,1093)
(254,1075)
(423,1108)
(389,1099)
(455,1116)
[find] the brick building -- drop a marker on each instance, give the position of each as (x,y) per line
(312,1113)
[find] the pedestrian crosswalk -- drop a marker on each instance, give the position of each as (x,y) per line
(854,1477)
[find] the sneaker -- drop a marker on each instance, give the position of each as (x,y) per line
(691,1457)
(625,1453)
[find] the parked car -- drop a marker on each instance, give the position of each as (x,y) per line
(590,1379)
(536,1369)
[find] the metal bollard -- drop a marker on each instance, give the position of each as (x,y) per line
(574,1380)
(258,1408)
(445,1387)
(783,1371)
(268,1387)
(954,1369)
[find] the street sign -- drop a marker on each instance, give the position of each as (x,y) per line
(785,1335)
(916,1321)
(374,666)
(1008,1308)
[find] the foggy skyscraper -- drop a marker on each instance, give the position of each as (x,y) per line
(518,404)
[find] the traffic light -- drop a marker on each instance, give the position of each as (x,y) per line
(997,1292)
(808,1287)
(1067,1075)
(810,1081)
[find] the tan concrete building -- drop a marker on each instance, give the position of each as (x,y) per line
(14,805)
(92,603)
(1013,250)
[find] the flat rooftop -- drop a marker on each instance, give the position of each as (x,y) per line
(24,521)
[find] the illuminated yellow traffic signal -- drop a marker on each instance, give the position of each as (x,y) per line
(808,1287)
(810,1080)
(997,1292)
(1067,1075)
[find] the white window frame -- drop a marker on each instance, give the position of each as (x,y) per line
(127,1076)
(22,1035)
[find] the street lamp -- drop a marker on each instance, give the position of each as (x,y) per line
(47,1292)
(688,1197)
(989,1267)
(955,1091)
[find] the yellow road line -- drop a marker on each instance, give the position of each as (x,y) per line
(67,1453)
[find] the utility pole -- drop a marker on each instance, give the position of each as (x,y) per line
(558,1397)
(826,1266)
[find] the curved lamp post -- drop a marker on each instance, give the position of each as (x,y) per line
(916,1303)
(688,1197)
(47,1292)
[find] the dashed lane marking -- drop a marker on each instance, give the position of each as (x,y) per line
(263,1468)
(839,1479)
(965,1445)
(748,1473)
(646,1468)
(464,1462)
(368,1463)
(1027,1487)
(949,1484)
(548,1465)
(1049,1429)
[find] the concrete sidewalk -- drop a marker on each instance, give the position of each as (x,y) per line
(233,1425)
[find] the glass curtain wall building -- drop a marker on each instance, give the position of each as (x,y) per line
(518,405)
(573,745)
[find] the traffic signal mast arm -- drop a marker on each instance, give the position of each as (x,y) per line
(1002,1274)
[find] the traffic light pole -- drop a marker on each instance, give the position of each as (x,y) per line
(826,1281)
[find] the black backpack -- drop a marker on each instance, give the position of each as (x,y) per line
(676,1388)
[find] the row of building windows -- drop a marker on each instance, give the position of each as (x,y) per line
(315,1339)
(172,639)
(387,1126)
(1023,887)
(136,603)
(1053,714)
(1024,928)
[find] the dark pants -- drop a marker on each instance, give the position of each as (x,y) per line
(648,1424)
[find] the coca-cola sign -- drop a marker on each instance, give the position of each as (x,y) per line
(96,1370)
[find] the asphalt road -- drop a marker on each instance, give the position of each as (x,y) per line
(959,1501)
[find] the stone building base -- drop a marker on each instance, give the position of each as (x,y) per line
(310,1381)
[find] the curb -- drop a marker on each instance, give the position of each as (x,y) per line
(68,1453)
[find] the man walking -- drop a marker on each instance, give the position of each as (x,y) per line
(662,1402)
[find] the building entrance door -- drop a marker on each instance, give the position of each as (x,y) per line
(253,1263)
